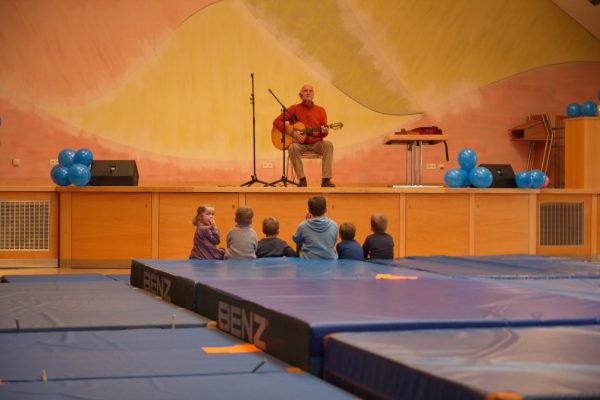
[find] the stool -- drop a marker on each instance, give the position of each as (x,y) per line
(309,155)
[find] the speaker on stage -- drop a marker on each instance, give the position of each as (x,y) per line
(114,173)
(503,174)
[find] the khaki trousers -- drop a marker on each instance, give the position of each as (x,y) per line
(323,147)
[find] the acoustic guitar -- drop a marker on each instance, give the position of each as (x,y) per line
(298,126)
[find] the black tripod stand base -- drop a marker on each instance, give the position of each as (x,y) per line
(253,180)
(284,180)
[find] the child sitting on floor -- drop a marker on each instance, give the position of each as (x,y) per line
(271,245)
(378,245)
(207,235)
(241,239)
(349,248)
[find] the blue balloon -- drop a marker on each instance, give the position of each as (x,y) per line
(589,108)
(573,110)
(79,175)
(83,156)
(538,178)
(523,179)
(60,175)
(65,157)
(467,158)
(456,177)
(481,177)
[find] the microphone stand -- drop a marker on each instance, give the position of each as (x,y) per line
(284,180)
(254,179)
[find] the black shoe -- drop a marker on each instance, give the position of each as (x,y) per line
(327,183)
(302,182)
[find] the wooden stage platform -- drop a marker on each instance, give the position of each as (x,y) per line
(108,226)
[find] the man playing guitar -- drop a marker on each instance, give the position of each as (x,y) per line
(311,116)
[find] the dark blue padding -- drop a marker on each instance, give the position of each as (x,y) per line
(56,278)
(581,288)
(264,386)
(295,315)
(124,354)
(86,306)
(502,266)
(538,363)
(175,281)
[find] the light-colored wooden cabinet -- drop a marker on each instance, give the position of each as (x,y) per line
(582,153)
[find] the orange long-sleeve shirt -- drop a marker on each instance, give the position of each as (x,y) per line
(311,117)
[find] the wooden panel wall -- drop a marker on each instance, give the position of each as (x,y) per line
(501,224)
(107,227)
(437,224)
(110,228)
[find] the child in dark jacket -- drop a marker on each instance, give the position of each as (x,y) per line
(379,245)
(349,248)
(271,245)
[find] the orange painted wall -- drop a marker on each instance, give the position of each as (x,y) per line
(168,83)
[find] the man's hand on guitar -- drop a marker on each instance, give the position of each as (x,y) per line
(299,137)
(324,130)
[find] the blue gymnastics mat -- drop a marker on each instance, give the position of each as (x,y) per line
(269,386)
(85,306)
(175,281)
(129,353)
(468,364)
(56,278)
(289,318)
(513,266)
(120,277)
(581,288)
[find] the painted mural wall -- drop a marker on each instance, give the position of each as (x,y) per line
(168,83)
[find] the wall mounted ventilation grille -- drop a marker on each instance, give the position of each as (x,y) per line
(561,224)
(24,225)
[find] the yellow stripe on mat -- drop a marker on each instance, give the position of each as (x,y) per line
(396,277)
(236,348)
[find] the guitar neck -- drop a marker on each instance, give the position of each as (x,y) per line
(318,128)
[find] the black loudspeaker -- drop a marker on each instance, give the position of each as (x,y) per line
(114,173)
(504,176)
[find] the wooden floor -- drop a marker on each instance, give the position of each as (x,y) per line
(48,271)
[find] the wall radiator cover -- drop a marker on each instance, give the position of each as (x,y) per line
(24,225)
(561,224)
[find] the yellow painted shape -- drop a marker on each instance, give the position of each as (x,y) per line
(192,100)
(444,50)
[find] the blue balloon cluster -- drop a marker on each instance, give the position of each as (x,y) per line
(468,174)
(74,167)
(587,109)
(534,179)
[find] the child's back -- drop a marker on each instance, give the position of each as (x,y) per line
(378,245)
(348,248)
(316,236)
(272,246)
(241,239)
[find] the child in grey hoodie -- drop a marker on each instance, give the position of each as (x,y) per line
(317,234)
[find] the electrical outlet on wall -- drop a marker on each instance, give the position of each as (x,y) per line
(267,165)
(53,161)
(430,166)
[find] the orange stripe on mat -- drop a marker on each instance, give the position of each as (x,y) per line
(397,277)
(237,348)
